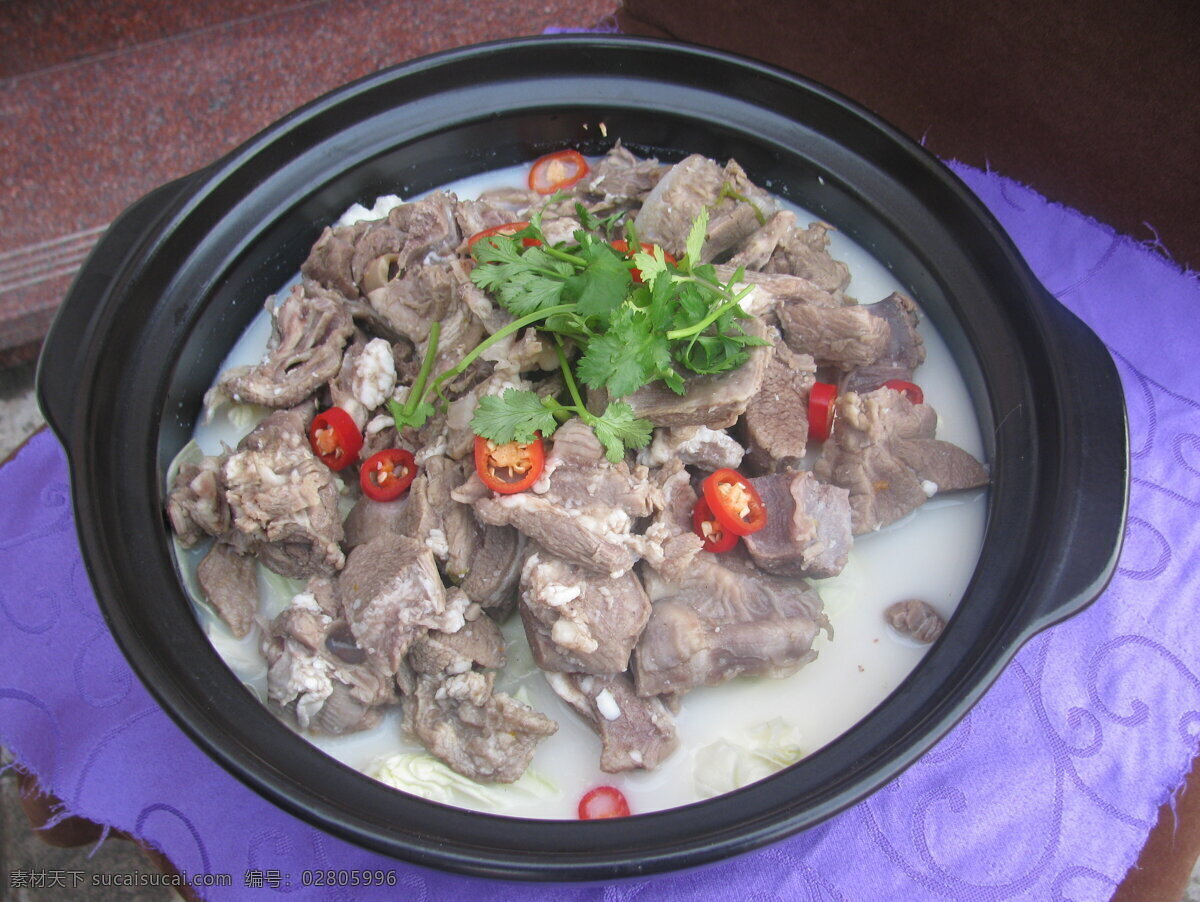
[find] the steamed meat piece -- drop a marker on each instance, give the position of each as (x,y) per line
(808,531)
(775,424)
(366,380)
(582,508)
(843,337)
(805,253)
(905,351)
(495,569)
(486,735)
(578,621)
(409,303)
(328,263)
(449,529)
(308,333)
(736,206)
(884,452)
(477,644)
(283,506)
(410,234)
(708,449)
(621,177)
(916,619)
(392,592)
(634,732)
(756,250)
(772,290)
(196,504)
(230,584)
(370,519)
(671,528)
(316,669)
(720,619)
(715,401)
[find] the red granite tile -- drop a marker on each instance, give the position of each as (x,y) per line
(80,141)
(41,33)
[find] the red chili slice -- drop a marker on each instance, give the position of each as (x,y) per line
(602,802)
(387,474)
(734,502)
(621,246)
(556,171)
(507,228)
(716,539)
(335,438)
(509,468)
(820,411)
(911,391)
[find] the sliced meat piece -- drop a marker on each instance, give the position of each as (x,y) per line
(884,452)
(308,333)
(283,506)
(671,532)
(316,669)
(774,289)
(723,618)
(366,380)
(230,584)
(842,337)
(775,424)
(578,621)
(485,735)
(754,252)
(905,351)
(714,401)
(411,232)
(634,732)
(449,529)
(916,619)
(582,508)
(708,449)
(328,263)
(478,644)
(622,178)
(737,207)
(805,253)
(392,592)
(196,505)
(411,302)
(496,570)
(370,519)
(808,531)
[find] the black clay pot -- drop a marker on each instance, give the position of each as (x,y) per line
(181,273)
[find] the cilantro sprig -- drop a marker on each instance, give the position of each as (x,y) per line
(676,319)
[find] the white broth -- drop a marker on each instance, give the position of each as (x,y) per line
(730,734)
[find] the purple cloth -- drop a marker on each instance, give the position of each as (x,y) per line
(1046,790)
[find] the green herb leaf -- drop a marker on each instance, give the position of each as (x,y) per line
(696,236)
(515,416)
(618,429)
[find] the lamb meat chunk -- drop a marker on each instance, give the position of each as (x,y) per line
(316,669)
(283,506)
(392,593)
(808,531)
(582,508)
(409,303)
(308,333)
(482,734)
(694,183)
(369,519)
(756,250)
(671,531)
(411,232)
(775,424)
(578,621)
(230,583)
(634,732)
(496,570)
(478,644)
(449,529)
(916,619)
(366,380)
(772,290)
(328,263)
(715,401)
(805,253)
(622,178)
(842,337)
(905,351)
(708,449)
(288,428)
(720,619)
(884,452)
(196,505)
